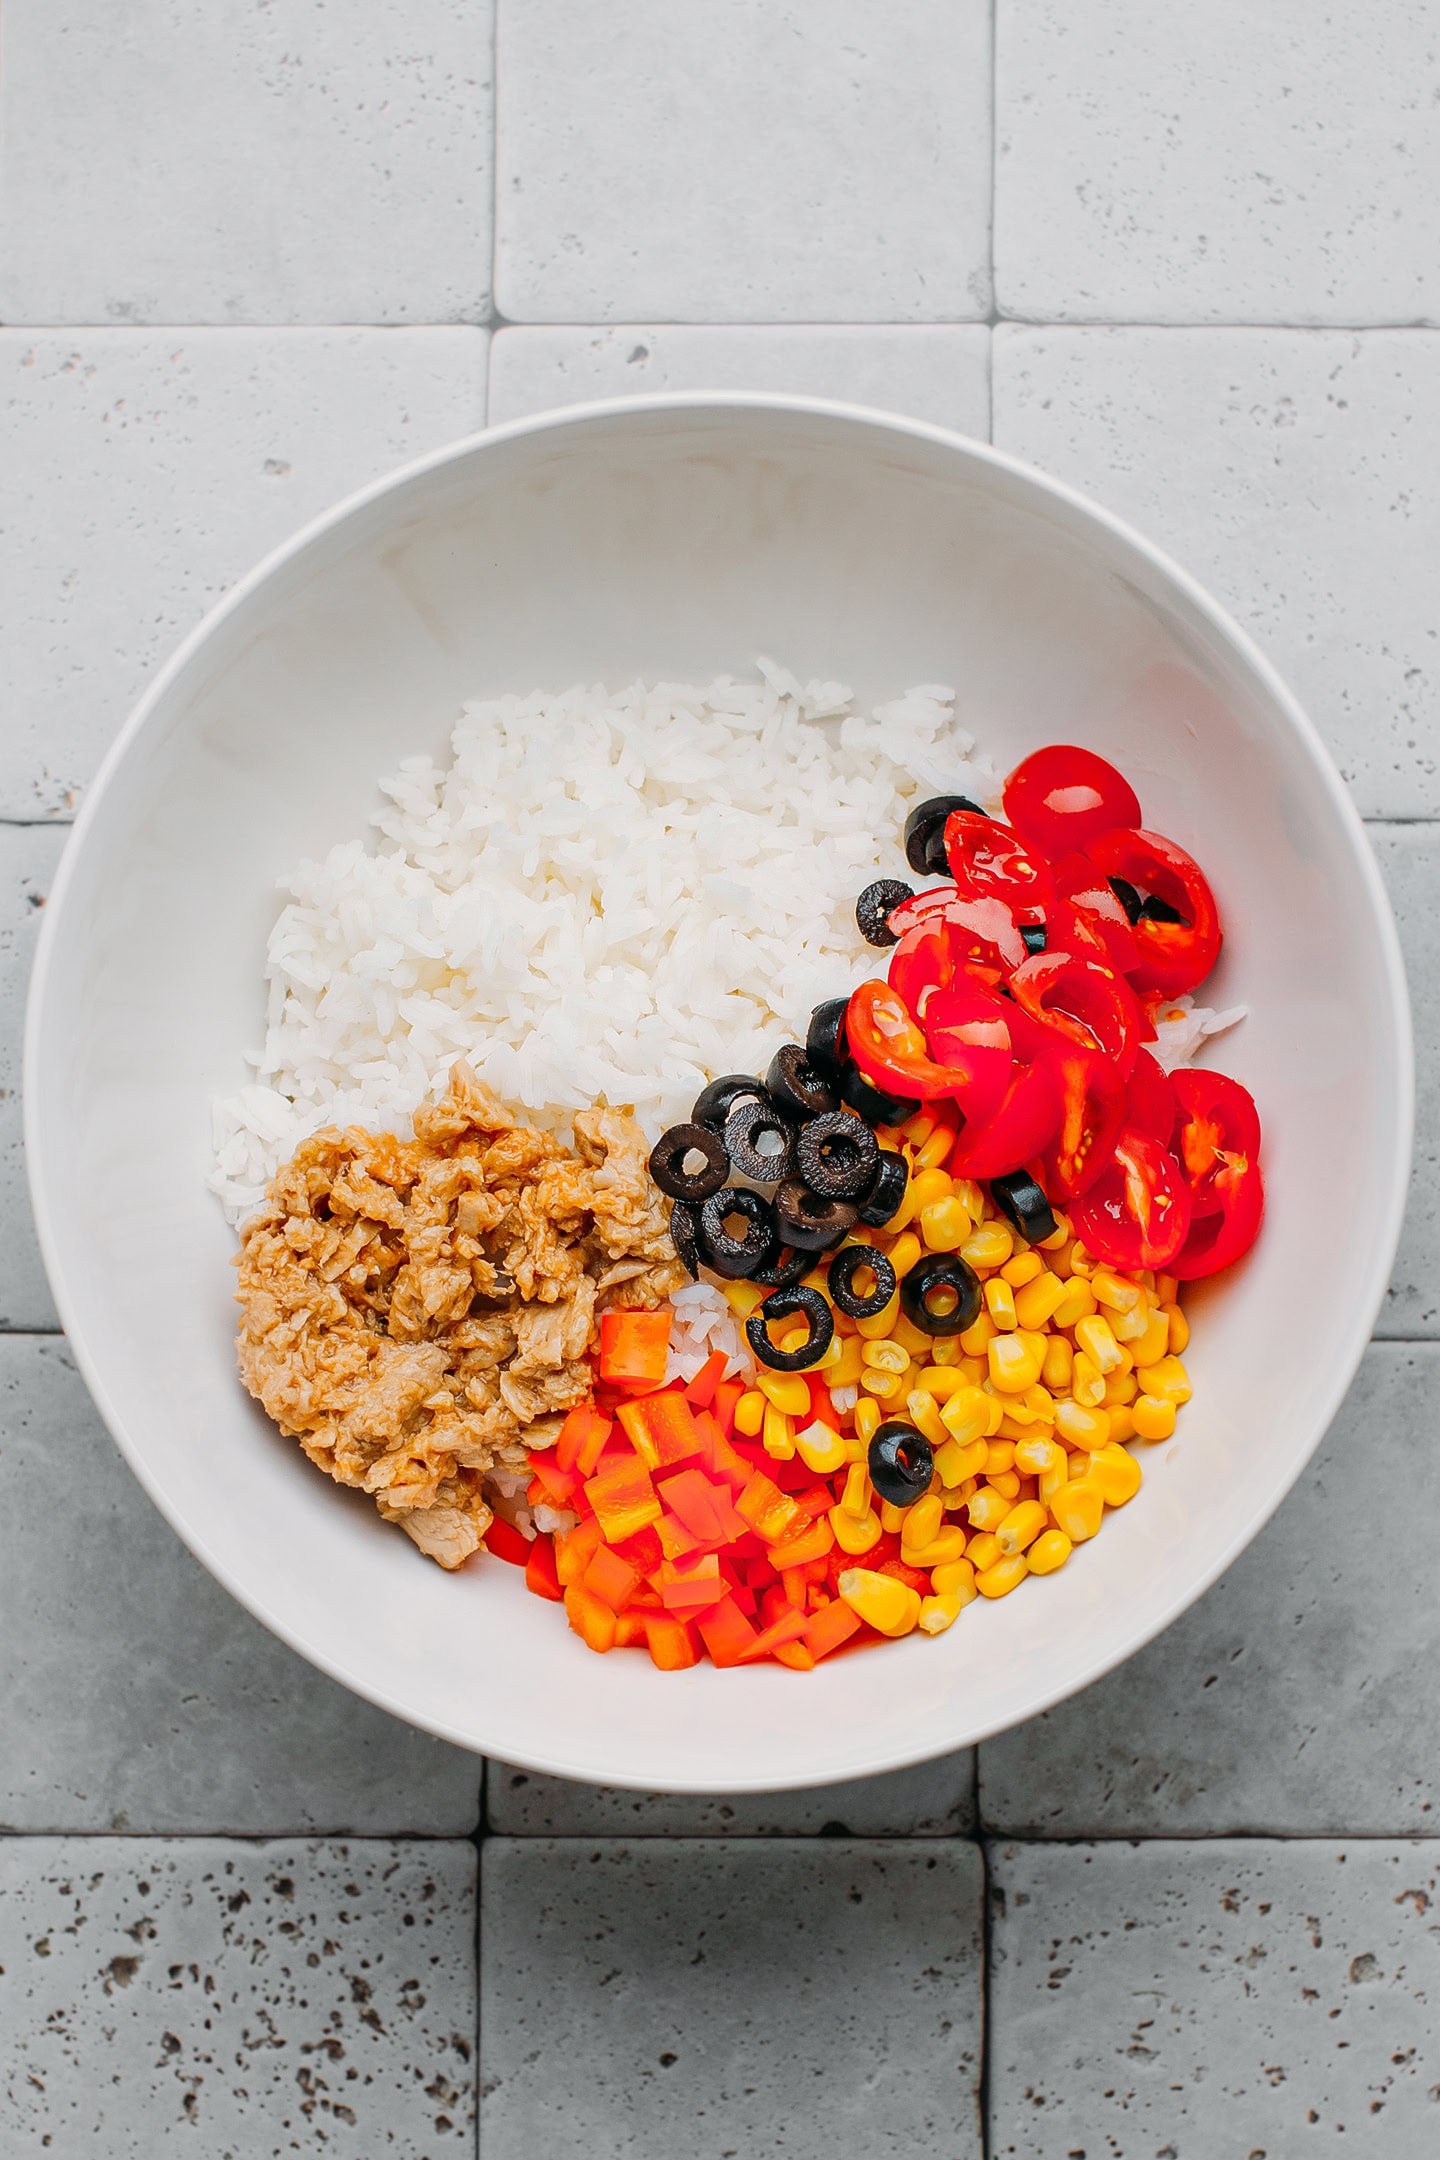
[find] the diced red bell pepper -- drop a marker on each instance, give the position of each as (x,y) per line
(795,1655)
(718,1457)
(811,1543)
(610,1577)
(788,1628)
(725,1631)
(582,1439)
(550,1486)
(573,1549)
(642,1550)
(727,1395)
(623,1498)
(676,1538)
(796,1585)
(768,1510)
(834,1624)
(540,1574)
(700,1392)
(661,1429)
(630,1630)
(590,1617)
(507,1543)
(672,1642)
(634,1345)
(691,1585)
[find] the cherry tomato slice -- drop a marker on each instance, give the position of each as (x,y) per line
(987,861)
(1174,956)
(1150,1100)
(967,1029)
(1092,1113)
(891,1051)
(1137,1212)
(1061,798)
(1217,1141)
(1028,1115)
(949,940)
(1085,893)
(1083,999)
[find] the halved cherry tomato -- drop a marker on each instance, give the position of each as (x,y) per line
(1217,1140)
(1079,885)
(953,943)
(1092,1113)
(891,1051)
(1150,1100)
(989,922)
(967,1029)
(988,861)
(1082,998)
(1062,797)
(1174,956)
(1137,1212)
(1027,1116)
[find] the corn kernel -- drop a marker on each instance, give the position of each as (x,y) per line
(1034,1457)
(742,1297)
(918,1127)
(999,1455)
(881,1323)
(1087,1383)
(1006,1575)
(1167,1290)
(1179,1329)
(1131,1327)
(1053,1481)
(1122,1422)
(885,1355)
(958,1460)
(983,1551)
(890,1606)
(946,1350)
(821,1448)
(1024,1269)
(944,1225)
(1082,1427)
(966,1416)
(1050,1551)
(941,1382)
(777,1434)
(954,1578)
(1000,1303)
(849,1365)
(794,1338)
(869,1417)
(892,1518)
(976,1340)
(989,1507)
(1115,1292)
(1038,1300)
(1082,1262)
(1013,1365)
(1035,1407)
(1079,1508)
(938,1613)
(885,1386)
(912,1339)
(785,1391)
(1059,1364)
(1117,1474)
(932,1153)
(919,1523)
(1095,1337)
(1077,1304)
(924,1414)
(1006,1482)
(947,1544)
(990,1247)
(1120,1388)
(1059,1236)
(1022,1526)
(750,1413)
(1154,1419)
(854,1533)
(1167,1378)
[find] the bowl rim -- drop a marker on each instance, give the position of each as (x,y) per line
(1354,1338)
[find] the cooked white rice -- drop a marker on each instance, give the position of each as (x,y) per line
(601,898)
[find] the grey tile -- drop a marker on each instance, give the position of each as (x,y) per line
(1298,1696)
(1256,457)
(935,1799)
(708,165)
(135,1694)
(927,371)
(209,1997)
(145,470)
(1233,2001)
(815,1998)
(1410,860)
(28,856)
(288,163)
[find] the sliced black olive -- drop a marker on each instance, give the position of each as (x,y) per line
(734,1256)
(925,832)
(798,1087)
(782,1306)
(784,1269)
(837,1155)
(1034,935)
(872,1103)
(760,1142)
(850,1261)
(667,1162)
(714,1103)
(685,1236)
(885,1195)
(1126,894)
(825,1037)
(1023,1204)
(1154,909)
(938,1272)
(872,909)
(810,1221)
(901,1463)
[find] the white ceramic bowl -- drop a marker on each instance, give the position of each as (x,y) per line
(682,537)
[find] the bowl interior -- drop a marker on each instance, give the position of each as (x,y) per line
(680,540)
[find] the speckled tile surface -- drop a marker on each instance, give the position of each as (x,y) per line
(935,1799)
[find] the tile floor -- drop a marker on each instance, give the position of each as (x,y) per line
(1185,259)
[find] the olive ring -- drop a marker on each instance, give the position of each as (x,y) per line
(1024,1206)
(667,1162)
(779,1306)
(685,1237)
(811,1221)
(732,1256)
(784,1268)
(746,1126)
(874,906)
(799,1087)
(840,1279)
(938,1271)
(901,1463)
(838,1155)
(892,1180)
(714,1103)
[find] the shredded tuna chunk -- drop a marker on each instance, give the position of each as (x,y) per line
(417,1313)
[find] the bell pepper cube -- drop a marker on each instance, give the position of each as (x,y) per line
(725,1631)
(689,1586)
(610,1577)
(634,1345)
(550,1486)
(704,1508)
(661,1429)
(810,1543)
(573,1549)
(825,1630)
(675,1540)
(507,1543)
(723,1402)
(642,1550)
(768,1510)
(623,1498)
(590,1617)
(630,1630)
(789,1627)
(795,1655)
(582,1439)
(673,1643)
(700,1392)
(540,1575)
(717,1458)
